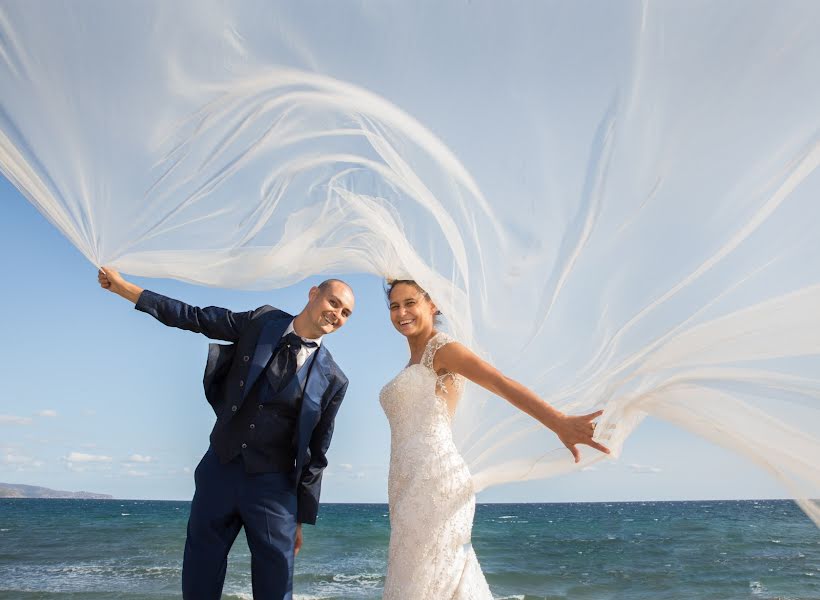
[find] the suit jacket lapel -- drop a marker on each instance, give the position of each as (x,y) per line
(268,338)
(311,402)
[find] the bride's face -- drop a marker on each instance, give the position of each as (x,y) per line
(410,311)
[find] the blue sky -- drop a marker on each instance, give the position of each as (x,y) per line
(96,396)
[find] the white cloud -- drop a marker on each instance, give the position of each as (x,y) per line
(139,458)
(47,413)
(346,466)
(19,462)
(98,465)
(636,468)
(186,469)
(87,458)
(132,473)
(14,420)
(16,459)
(89,412)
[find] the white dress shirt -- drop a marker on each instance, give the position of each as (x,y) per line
(304,351)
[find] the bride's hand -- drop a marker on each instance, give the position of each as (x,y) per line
(573,430)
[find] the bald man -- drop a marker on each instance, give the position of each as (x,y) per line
(275,390)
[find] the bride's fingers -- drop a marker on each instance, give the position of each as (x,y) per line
(593,415)
(576,454)
(597,446)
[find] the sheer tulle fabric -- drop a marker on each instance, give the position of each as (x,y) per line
(614,203)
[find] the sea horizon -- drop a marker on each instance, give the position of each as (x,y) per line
(478,501)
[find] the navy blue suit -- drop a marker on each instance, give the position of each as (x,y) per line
(264,467)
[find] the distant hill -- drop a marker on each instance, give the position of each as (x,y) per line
(15,490)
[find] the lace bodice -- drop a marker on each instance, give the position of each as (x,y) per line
(415,401)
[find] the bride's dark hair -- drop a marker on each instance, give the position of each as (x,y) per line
(394,282)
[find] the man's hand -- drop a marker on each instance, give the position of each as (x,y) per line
(111,280)
(573,430)
(297,545)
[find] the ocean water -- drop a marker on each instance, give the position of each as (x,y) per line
(100,549)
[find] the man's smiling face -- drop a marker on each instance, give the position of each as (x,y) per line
(329,306)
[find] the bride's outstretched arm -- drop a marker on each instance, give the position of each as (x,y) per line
(571,430)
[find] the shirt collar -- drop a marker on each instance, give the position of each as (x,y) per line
(317,341)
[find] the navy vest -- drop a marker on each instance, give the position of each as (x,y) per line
(263,429)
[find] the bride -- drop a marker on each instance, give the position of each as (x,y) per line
(430,489)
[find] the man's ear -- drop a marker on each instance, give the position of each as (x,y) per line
(312,293)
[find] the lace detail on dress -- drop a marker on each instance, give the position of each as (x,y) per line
(430,491)
(444,380)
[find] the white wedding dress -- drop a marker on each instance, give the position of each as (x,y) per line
(430,490)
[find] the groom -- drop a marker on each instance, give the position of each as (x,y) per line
(275,391)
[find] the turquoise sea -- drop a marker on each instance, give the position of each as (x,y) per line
(100,549)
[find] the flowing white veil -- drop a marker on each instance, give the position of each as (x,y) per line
(615,203)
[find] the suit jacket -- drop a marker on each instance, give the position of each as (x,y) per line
(231,371)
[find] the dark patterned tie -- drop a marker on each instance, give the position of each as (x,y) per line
(283,363)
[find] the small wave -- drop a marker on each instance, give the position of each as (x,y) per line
(125,514)
(509,517)
(365,579)
(108,570)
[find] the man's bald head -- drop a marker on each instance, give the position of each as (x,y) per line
(329,305)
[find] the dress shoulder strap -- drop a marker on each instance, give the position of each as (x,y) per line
(446,383)
(433,345)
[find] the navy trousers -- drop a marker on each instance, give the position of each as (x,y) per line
(226,499)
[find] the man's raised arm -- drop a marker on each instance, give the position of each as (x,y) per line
(212,321)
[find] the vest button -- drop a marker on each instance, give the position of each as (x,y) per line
(245,358)
(260,407)
(241,382)
(233,408)
(244,446)
(253,426)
